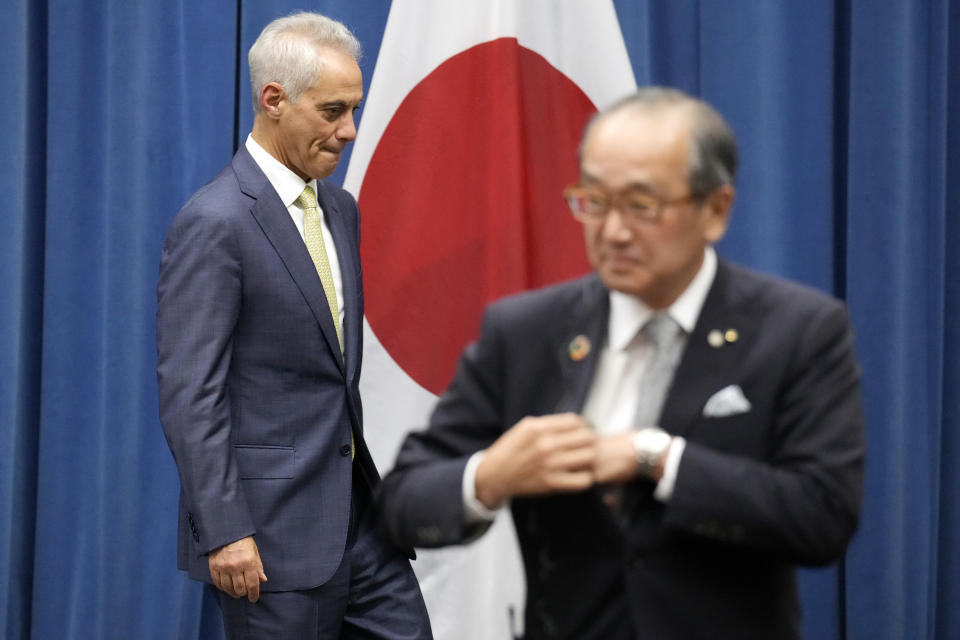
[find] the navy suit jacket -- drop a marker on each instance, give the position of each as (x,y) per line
(256,400)
(756,494)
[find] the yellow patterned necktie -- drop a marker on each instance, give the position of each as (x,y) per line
(313,236)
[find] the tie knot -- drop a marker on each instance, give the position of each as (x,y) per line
(660,329)
(307,198)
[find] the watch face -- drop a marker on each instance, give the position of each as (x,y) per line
(650,445)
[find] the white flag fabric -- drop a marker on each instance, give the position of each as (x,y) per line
(468,136)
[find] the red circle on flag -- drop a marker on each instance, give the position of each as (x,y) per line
(461,202)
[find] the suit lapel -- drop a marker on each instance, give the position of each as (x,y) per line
(589,315)
(274,220)
(352,316)
(579,342)
(705,368)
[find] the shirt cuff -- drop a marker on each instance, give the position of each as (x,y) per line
(664,489)
(473,509)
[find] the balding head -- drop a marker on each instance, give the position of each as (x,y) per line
(712,145)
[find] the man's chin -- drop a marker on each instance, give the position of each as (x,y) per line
(623,270)
(624,281)
(325,166)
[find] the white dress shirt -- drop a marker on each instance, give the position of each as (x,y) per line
(624,358)
(289,186)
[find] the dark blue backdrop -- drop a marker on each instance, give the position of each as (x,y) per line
(848,113)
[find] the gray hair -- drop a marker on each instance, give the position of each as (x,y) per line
(286,52)
(713,152)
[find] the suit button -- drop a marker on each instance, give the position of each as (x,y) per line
(345,450)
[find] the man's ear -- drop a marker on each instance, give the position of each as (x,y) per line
(716,209)
(272,97)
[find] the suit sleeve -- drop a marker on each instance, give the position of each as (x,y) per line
(198,301)
(421,499)
(802,502)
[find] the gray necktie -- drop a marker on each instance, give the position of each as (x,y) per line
(666,339)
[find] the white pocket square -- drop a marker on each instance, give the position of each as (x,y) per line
(729,401)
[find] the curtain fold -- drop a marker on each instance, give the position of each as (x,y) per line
(23,50)
(947,540)
(848,114)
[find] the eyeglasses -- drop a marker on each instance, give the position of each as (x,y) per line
(636,206)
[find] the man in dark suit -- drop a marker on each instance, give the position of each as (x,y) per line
(260,305)
(673,433)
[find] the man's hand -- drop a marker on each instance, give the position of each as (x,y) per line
(546,454)
(616,460)
(236,568)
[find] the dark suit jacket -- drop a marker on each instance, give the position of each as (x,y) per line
(256,400)
(756,493)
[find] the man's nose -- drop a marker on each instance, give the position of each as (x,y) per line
(348,128)
(615,227)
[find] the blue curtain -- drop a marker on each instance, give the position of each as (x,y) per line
(848,114)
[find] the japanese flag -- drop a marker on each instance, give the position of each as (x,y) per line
(468,137)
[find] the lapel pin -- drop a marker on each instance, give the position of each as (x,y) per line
(731,335)
(579,348)
(715,338)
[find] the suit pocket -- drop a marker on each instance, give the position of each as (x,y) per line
(264,461)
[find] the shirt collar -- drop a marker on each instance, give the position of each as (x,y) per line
(285,182)
(628,313)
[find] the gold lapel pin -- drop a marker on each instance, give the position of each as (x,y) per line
(579,348)
(715,338)
(731,335)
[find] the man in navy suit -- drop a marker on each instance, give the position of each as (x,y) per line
(260,305)
(672,433)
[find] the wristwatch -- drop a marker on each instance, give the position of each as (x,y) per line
(650,445)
